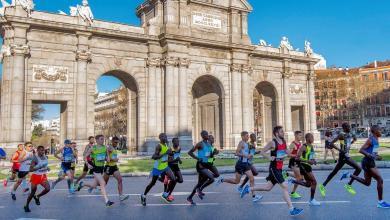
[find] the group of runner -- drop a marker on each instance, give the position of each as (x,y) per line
(101,162)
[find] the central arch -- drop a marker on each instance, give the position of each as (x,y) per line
(265,106)
(125,103)
(207,108)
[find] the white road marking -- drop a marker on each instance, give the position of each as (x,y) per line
(179,204)
(33,219)
(138,194)
(2,207)
(278,203)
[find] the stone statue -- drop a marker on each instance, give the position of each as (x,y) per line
(27,5)
(84,11)
(4,4)
(308,49)
(263,43)
(285,43)
(5,51)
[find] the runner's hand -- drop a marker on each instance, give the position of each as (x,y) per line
(272,158)
(90,166)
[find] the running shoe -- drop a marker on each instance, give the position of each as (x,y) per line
(345,175)
(295,195)
(80,185)
(244,191)
(123,197)
(383,205)
(5,182)
(257,198)
(36,199)
(109,203)
(13,196)
(322,190)
(190,201)
(26,209)
(219,181)
(350,189)
(291,181)
(164,196)
(296,212)
(90,190)
(239,189)
(143,200)
(285,174)
(53,185)
(199,193)
(170,197)
(314,202)
(26,190)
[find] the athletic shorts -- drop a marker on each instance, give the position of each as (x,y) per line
(96,169)
(66,167)
(201,166)
(242,167)
(292,163)
(110,170)
(14,170)
(22,174)
(174,167)
(38,179)
(157,172)
(305,168)
(368,163)
(275,176)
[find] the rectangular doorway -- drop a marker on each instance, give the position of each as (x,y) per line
(297,118)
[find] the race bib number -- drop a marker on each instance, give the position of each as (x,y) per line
(176,156)
(101,157)
(68,158)
(207,154)
(281,154)
(164,158)
(312,156)
(114,156)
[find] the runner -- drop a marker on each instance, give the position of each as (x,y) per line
(67,158)
(111,168)
(15,164)
(207,172)
(252,151)
(39,168)
(25,159)
(306,158)
(98,153)
(346,140)
(328,139)
(370,151)
(279,151)
(86,170)
(173,162)
(243,166)
(160,168)
(293,165)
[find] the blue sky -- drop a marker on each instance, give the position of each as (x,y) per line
(348,33)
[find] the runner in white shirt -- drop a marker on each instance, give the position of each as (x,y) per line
(25,162)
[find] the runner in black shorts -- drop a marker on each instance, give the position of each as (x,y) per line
(370,151)
(306,158)
(252,150)
(243,165)
(91,140)
(328,147)
(279,151)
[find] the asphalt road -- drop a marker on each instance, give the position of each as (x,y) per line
(221,202)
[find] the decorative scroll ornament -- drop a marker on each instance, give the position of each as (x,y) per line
(84,55)
(296,89)
(50,73)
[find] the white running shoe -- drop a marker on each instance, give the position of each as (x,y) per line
(314,202)
(257,198)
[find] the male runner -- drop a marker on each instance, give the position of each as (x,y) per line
(328,147)
(91,143)
(111,168)
(346,140)
(207,172)
(306,158)
(160,168)
(293,165)
(279,151)
(252,151)
(39,168)
(67,158)
(99,155)
(15,164)
(173,162)
(243,166)
(25,159)
(370,151)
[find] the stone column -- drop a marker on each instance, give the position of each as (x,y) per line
(286,94)
(247,117)
(236,116)
(83,57)
(312,106)
(184,133)
(170,107)
(152,130)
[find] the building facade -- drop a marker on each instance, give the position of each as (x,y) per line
(360,96)
(189,66)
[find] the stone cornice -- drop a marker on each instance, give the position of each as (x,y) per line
(84,55)
(16,49)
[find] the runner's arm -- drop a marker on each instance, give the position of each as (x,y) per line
(268,147)
(238,151)
(57,153)
(291,147)
(156,154)
(191,152)
(363,149)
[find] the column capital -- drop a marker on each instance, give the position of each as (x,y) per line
(171,61)
(184,62)
(246,69)
(286,75)
(84,55)
(16,49)
(311,76)
(235,67)
(153,62)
